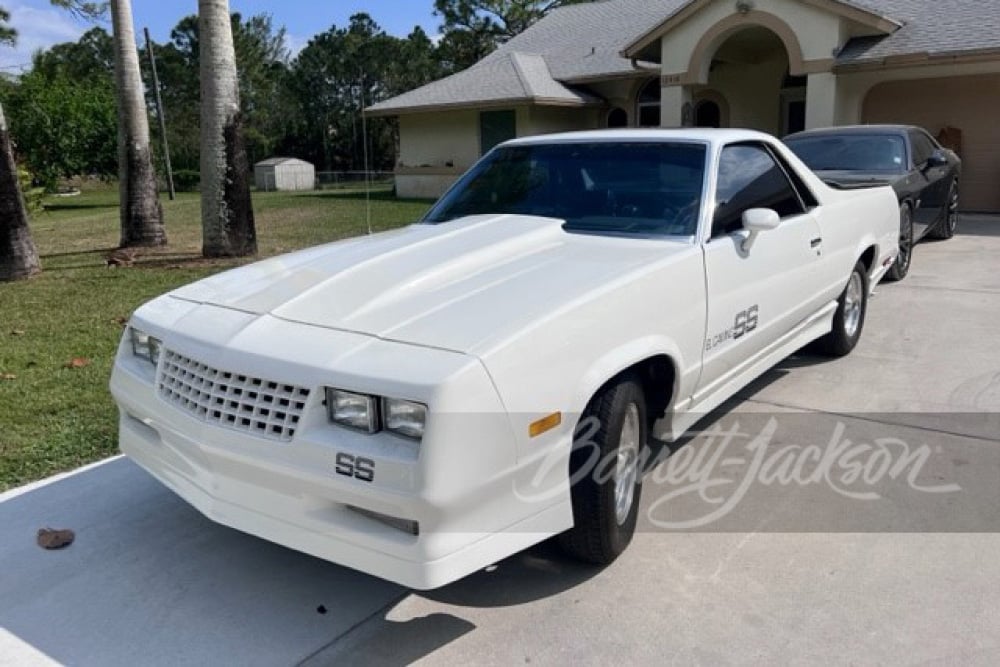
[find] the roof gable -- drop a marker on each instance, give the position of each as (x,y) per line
(847,9)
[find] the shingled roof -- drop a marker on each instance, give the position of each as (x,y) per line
(547,63)
(934,28)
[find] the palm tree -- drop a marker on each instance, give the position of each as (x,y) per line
(226,210)
(141,211)
(18,256)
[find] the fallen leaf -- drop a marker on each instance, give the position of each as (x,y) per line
(7,376)
(79,362)
(17,332)
(55,539)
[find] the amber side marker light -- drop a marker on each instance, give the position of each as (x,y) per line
(545,425)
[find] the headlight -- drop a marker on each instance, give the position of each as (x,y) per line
(356,411)
(146,346)
(404,418)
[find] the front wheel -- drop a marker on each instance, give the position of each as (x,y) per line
(606,473)
(946,228)
(849,320)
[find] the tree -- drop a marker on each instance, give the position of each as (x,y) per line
(339,73)
(474,28)
(18,255)
(69,86)
(262,65)
(141,211)
(226,209)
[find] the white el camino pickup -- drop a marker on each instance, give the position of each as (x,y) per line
(407,403)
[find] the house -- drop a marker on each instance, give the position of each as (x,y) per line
(773,65)
(284,174)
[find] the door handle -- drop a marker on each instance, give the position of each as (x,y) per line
(815,243)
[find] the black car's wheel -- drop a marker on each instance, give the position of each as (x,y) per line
(905,258)
(849,320)
(946,228)
(606,468)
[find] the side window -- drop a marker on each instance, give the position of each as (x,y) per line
(922,148)
(750,178)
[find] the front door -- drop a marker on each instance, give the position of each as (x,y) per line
(755,296)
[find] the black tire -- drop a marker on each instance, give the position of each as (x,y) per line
(945,229)
(599,535)
(901,268)
(848,323)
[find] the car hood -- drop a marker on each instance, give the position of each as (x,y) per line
(462,285)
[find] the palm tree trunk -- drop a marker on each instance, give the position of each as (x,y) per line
(141,211)
(226,210)
(18,257)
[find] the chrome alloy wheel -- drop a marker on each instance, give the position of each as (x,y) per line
(854,299)
(953,209)
(627,468)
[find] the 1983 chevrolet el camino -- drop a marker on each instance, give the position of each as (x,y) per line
(405,403)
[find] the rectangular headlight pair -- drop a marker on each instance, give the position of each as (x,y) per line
(145,346)
(371,414)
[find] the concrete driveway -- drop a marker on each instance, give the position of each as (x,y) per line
(795,573)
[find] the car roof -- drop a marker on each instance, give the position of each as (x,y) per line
(856,130)
(702,135)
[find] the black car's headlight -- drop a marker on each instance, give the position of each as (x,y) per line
(371,414)
(145,346)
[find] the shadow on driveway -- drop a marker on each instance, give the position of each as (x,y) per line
(149,580)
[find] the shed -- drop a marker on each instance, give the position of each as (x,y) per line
(284,173)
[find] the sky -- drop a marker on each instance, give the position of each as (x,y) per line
(40,25)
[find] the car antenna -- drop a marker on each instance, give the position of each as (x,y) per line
(364,140)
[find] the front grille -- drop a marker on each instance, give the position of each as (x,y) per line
(253,405)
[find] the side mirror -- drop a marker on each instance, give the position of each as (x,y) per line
(937,159)
(757,221)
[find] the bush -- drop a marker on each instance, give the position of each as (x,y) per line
(32,195)
(187,180)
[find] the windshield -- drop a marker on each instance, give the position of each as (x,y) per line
(862,152)
(629,188)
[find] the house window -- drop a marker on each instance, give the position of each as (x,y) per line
(496,127)
(648,104)
(618,117)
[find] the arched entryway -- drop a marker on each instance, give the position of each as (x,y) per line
(751,67)
(749,70)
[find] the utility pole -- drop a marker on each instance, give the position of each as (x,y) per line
(160,116)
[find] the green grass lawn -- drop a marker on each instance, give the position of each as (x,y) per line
(54,417)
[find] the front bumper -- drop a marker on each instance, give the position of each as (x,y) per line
(459,485)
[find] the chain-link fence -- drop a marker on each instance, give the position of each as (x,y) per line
(353,180)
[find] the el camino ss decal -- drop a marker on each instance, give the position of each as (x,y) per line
(746,322)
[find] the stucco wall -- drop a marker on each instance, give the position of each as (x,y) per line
(439,139)
(970,103)
(546,120)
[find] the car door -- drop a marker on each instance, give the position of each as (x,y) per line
(758,296)
(933,195)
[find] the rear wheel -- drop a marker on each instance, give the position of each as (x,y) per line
(849,320)
(606,469)
(905,258)
(946,228)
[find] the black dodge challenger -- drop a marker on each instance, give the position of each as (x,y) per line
(924,175)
